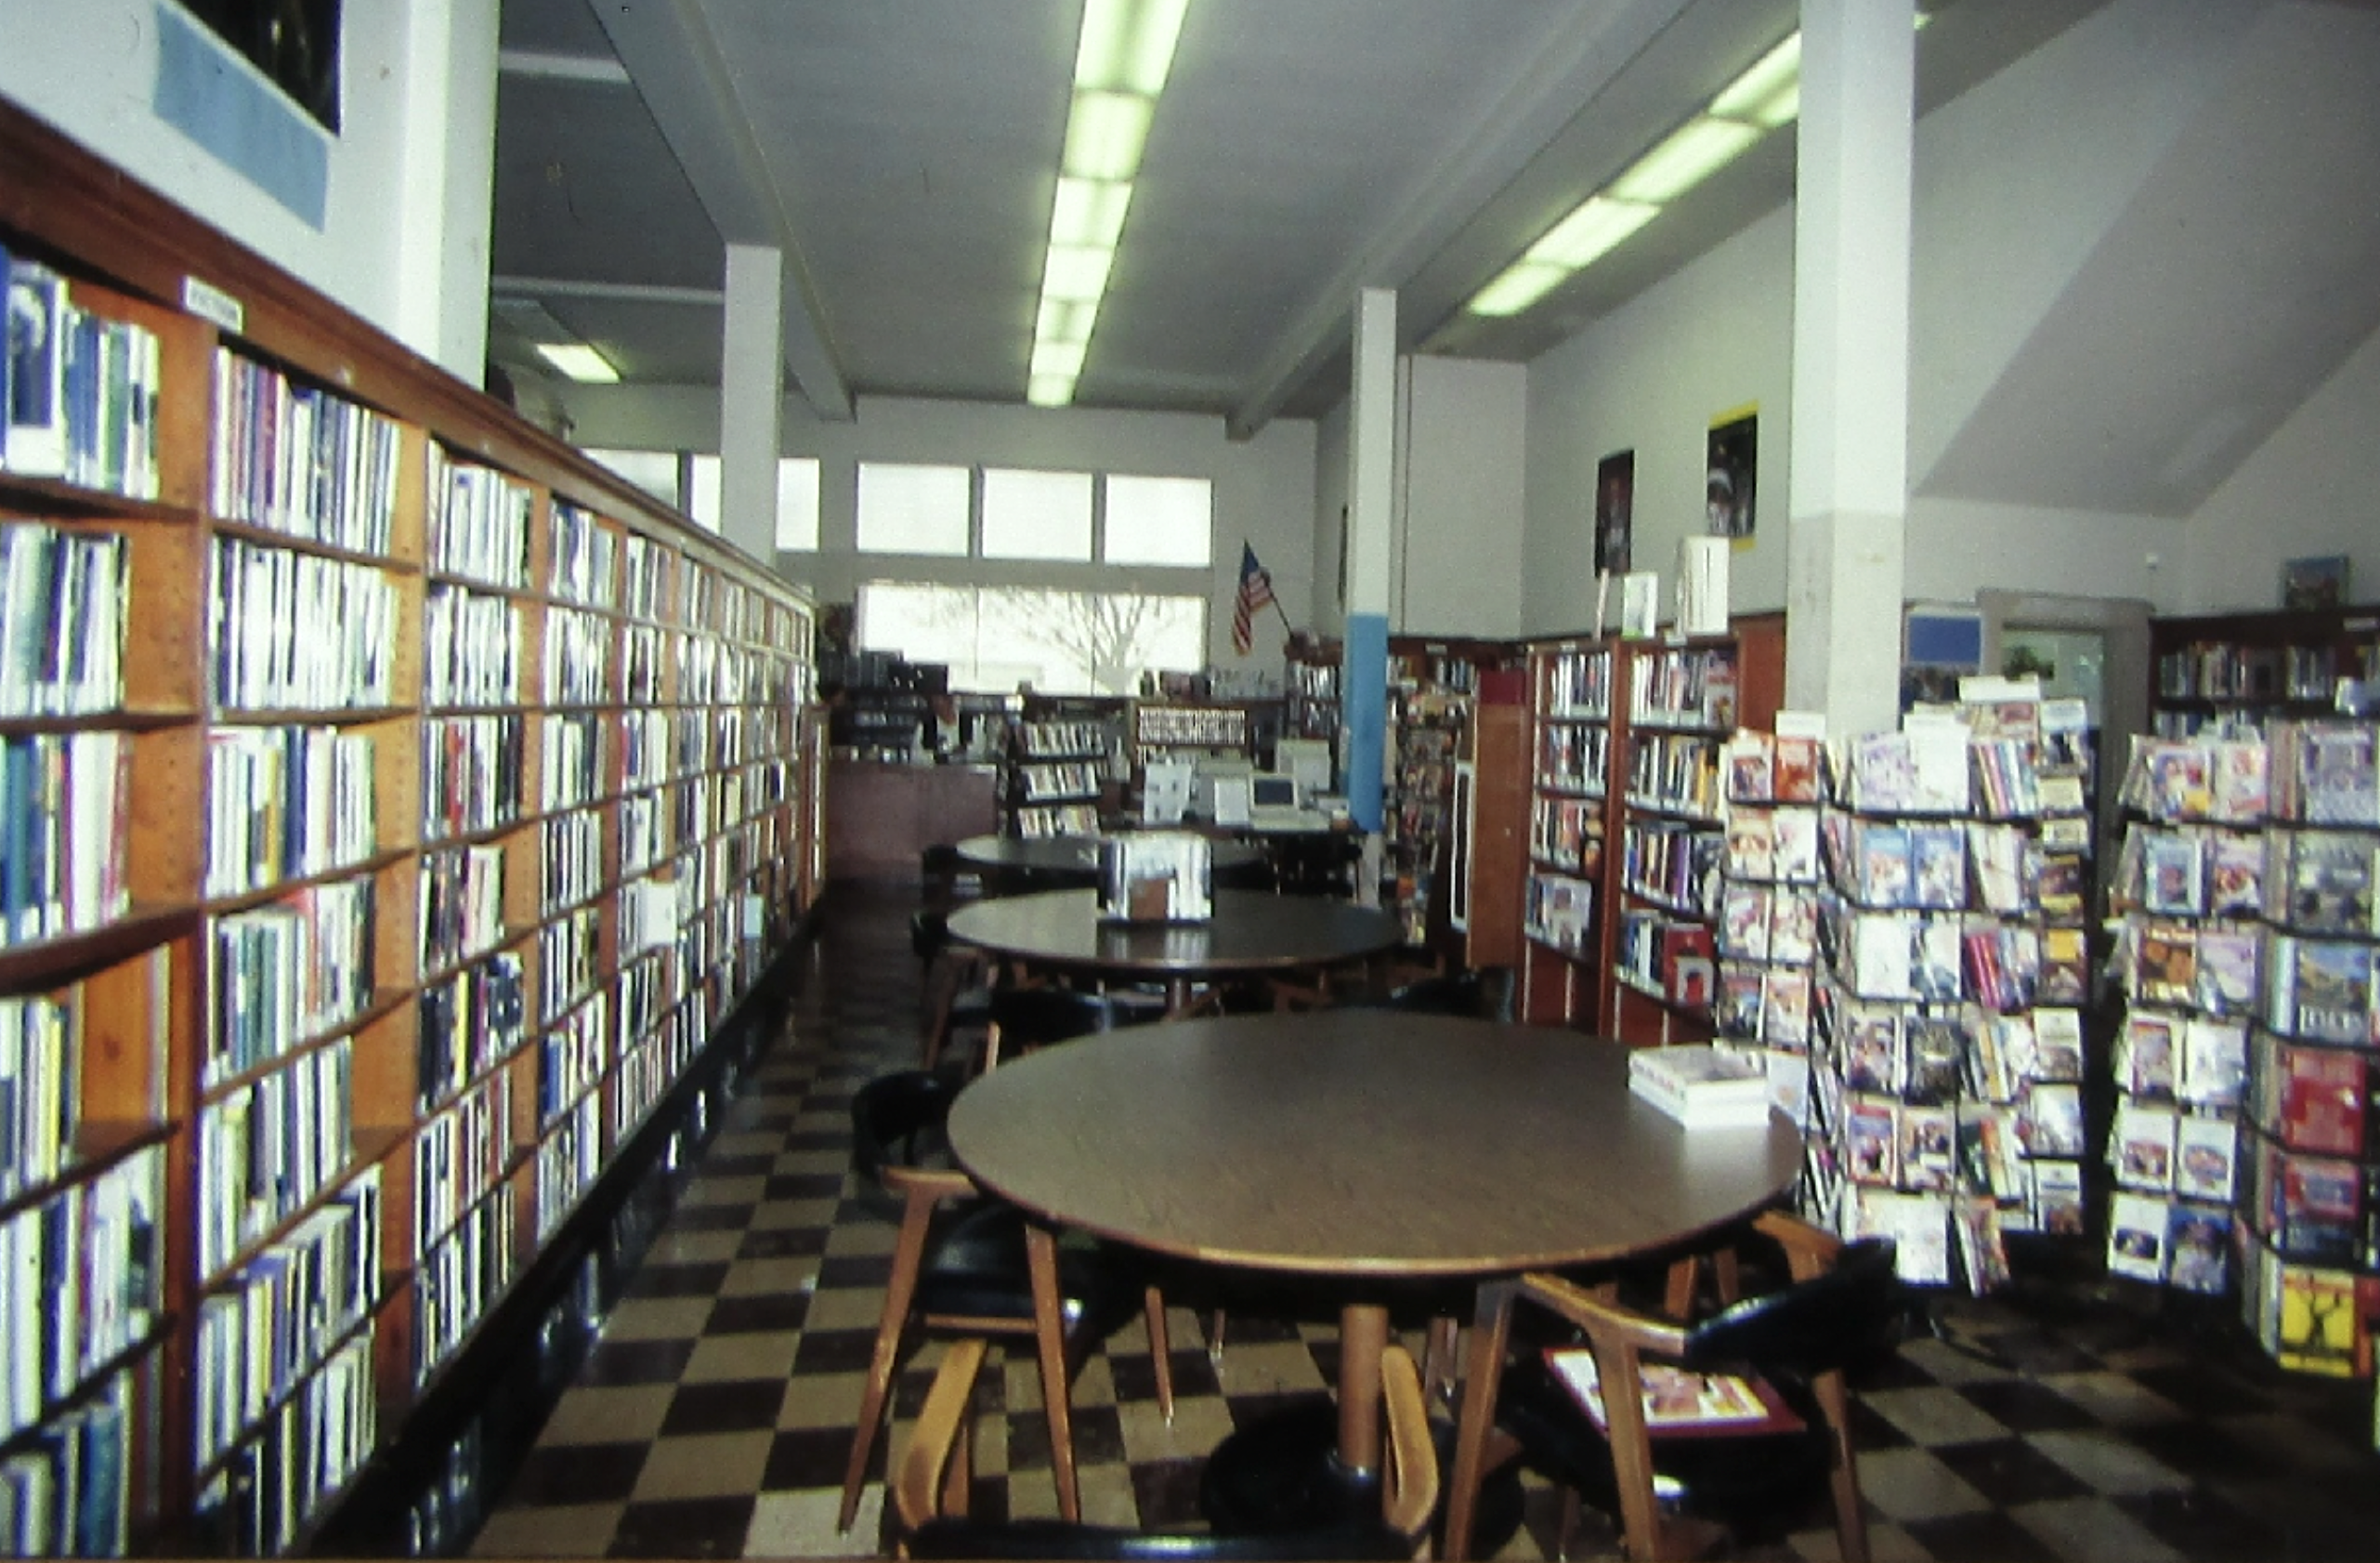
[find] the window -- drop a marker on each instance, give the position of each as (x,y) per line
(653,471)
(1036,515)
(1160,520)
(906,509)
(1064,642)
(797,500)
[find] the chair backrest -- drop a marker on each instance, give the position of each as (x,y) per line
(925,1475)
(896,1120)
(1039,1016)
(929,932)
(1811,1326)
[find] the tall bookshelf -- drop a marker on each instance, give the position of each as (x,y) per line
(1565,907)
(2224,669)
(415,803)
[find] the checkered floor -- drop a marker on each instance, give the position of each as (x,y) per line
(714,1417)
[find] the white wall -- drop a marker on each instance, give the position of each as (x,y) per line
(1650,377)
(1455,567)
(2312,489)
(1331,448)
(1263,487)
(94,81)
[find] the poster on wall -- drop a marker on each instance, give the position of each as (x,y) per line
(1732,460)
(1614,504)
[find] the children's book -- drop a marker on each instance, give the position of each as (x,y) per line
(2142,1146)
(1678,1403)
(2058,1197)
(2204,1149)
(2135,1237)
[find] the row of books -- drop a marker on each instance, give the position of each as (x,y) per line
(39,1046)
(1056,782)
(1054,741)
(2223,780)
(471,648)
(647,1067)
(266,1147)
(1943,957)
(1559,912)
(295,459)
(467,1023)
(1566,833)
(647,571)
(456,1281)
(280,975)
(568,1158)
(79,387)
(287,803)
(1574,757)
(473,771)
(2326,773)
(462,904)
(2199,1060)
(307,1451)
(572,1056)
(645,748)
(1771,1005)
(645,833)
(644,651)
(1578,683)
(1880,865)
(66,1492)
(2159,1149)
(478,521)
(1209,727)
(81,1271)
(1045,821)
(262,1334)
(62,596)
(64,799)
(1669,958)
(1673,864)
(2225,670)
(582,556)
(570,951)
(459,1155)
(298,632)
(1676,772)
(1683,687)
(1768,843)
(578,657)
(571,856)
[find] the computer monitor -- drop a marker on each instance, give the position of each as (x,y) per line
(1274,792)
(1307,762)
(1210,768)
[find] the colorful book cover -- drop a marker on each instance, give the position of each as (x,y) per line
(2332,991)
(2204,1148)
(1784,1007)
(1884,871)
(1793,845)
(2142,1146)
(2330,877)
(2316,1330)
(2338,780)
(2198,1248)
(2173,875)
(1797,775)
(2058,1197)
(1676,1403)
(2050,1119)
(1793,929)
(2135,1236)
(1751,845)
(2214,1063)
(2226,970)
(2057,1045)
(2145,1055)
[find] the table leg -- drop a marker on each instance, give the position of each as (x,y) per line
(1362,1336)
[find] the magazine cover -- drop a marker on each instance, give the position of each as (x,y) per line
(2058,1197)
(2135,1237)
(2057,1045)
(2144,1059)
(2226,970)
(2214,1063)
(2142,1146)
(2173,875)
(2204,1150)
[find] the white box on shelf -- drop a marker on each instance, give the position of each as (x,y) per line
(1703,1086)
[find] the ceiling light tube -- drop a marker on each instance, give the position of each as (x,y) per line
(1769,93)
(1128,43)
(1692,154)
(1587,233)
(1105,134)
(1049,390)
(1057,359)
(1075,272)
(1065,319)
(580,362)
(1089,212)
(1523,283)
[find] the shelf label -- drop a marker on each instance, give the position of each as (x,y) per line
(211,303)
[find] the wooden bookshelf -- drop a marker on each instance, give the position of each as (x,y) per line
(421,801)
(2212,669)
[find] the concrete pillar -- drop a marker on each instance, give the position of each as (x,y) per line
(1371,523)
(450,160)
(752,398)
(1850,362)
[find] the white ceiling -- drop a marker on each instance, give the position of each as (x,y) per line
(902,152)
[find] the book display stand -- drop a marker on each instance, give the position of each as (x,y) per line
(1055,771)
(1769,899)
(396,805)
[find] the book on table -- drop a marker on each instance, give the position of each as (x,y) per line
(1703,1086)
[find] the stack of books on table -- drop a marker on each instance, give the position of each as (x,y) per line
(1703,1086)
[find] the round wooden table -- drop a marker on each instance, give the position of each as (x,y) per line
(1072,858)
(1366,1146)
(1251,935)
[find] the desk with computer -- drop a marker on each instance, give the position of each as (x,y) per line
(1228,792)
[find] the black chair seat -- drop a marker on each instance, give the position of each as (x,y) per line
(974,1268)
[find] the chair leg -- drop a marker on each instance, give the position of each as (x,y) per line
(909,1254)
(1049,1337)
(1160,1350)
(1439,1354)
(942,991)
(1850,1510)
(1490,1330)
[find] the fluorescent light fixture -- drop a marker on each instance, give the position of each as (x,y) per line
(1049,390)
(1769,94)
(1128,44)
(1065,319)
(1693,153)
(580,362)
(1075,272)
(1105,134)
(1523,283)
(1587,233)
(1053,359)
(1089,212)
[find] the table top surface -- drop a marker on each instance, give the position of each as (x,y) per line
(1074,854)
(1359,1142)
(1250,932)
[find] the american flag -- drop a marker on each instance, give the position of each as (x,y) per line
(1255,592)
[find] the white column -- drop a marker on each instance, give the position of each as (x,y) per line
(1371,502)
(752,398)
(450,159)
(1850,362)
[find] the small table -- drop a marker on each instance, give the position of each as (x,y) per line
(1366,1146)
(1073,860)
(1251,935)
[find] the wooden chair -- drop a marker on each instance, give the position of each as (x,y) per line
(929,1486)
(965,1262)
(957,996)
(1842,1305)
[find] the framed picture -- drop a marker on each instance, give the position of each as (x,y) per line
(1614,507)
(2314,583)
(1732,463)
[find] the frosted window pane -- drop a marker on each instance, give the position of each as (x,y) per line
(906,509)
(1062,642)
(1160,520)
(1037,514)
(653,471)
